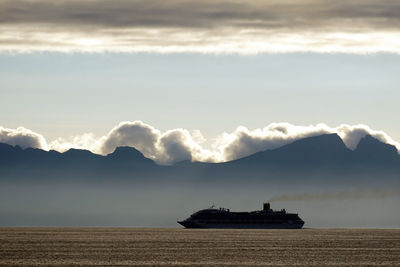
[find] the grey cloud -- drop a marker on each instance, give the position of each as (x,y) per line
(351,135)
(169,147)
(202,14)
(135,134)
(219,26)
(244,142)
(174,146)
(22,137)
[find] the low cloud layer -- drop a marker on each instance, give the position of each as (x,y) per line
(179,144)
(208,26)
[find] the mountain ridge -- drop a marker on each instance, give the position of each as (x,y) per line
(319,144)
(323,152)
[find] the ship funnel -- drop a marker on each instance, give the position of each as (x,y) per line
(266,206)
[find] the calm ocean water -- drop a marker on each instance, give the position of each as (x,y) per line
(179,247)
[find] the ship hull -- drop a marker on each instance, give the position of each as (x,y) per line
(195,225)
(221,218)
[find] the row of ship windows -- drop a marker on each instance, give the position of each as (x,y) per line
(243,221)
(280,218)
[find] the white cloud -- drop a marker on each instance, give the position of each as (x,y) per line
(86,141)
(179,144)
(351,135)
(135,134)
(22,137)
(171,146)
(243,142)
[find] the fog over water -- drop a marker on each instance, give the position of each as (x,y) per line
(161,204)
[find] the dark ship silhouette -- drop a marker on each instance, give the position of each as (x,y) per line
(260,219)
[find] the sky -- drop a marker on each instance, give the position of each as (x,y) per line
(72,72)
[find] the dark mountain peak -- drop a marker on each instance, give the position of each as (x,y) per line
(76,152)
(79,154)
(9,152)
(6,147)
(330,143)
(35,151)
(371,142)
(372,148)
(325,148)
(126,153)
(54,152)
(331,138)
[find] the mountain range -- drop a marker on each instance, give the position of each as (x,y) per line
(325,153)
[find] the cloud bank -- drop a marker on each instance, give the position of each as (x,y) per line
(177,145)
(207,26)
(22,137)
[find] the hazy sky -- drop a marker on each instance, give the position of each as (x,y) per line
(76,67)
(68,94)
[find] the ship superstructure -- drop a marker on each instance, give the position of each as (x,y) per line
(260,219)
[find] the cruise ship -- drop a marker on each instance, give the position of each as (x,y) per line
(260,219)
